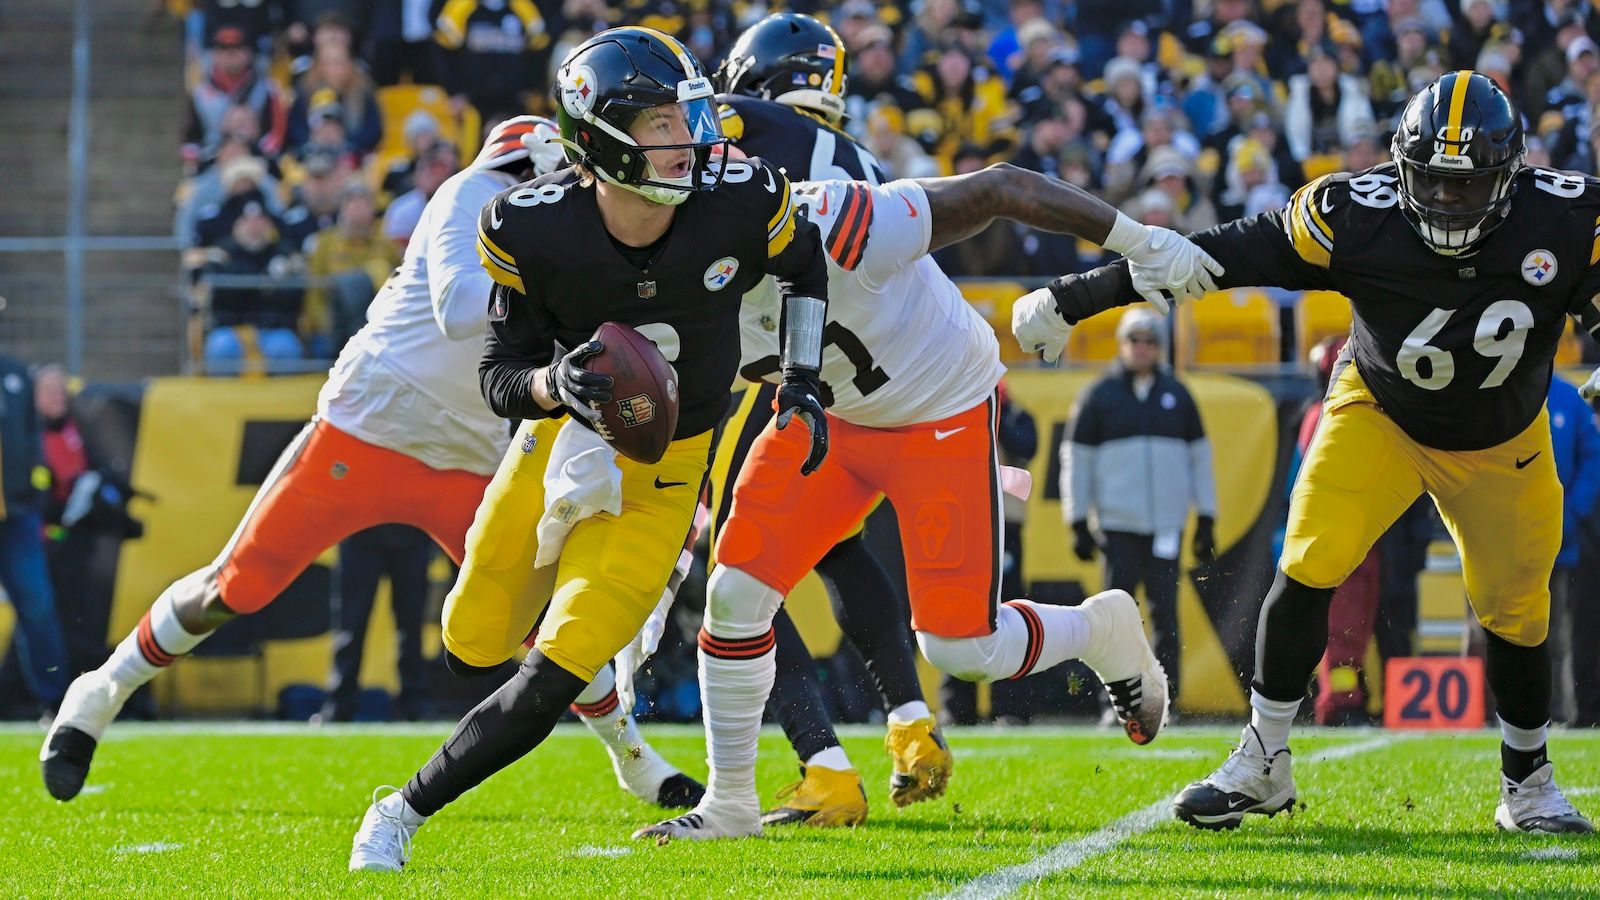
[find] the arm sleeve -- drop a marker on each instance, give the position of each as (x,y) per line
(521,341)
(1291,248)
(1202,479)
(457,280)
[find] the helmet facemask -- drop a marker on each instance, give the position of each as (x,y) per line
(1485,198)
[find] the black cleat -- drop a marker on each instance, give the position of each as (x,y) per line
(65,762)
(680,791)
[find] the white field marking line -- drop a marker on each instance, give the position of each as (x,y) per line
(89,790)
(1552,853)
(1073,853)
(157,847)
(602,851)
(1028,749)
(1582,791)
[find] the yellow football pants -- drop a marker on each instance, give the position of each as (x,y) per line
(1361,472)
(611,572)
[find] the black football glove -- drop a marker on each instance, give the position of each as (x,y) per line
(1205,539)
(575,387)
(799,394)
(1083,542)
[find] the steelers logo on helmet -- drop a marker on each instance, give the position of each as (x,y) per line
(578,90)
(1458,149)
(1539,268)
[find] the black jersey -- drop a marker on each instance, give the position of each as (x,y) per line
(804,146)
(559,277)
(1457,350)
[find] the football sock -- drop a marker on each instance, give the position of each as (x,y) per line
(1520,680)
(909,712)
(736,674)
(496,733)
(832,758)
(601,712)
(1050,634)
(155,643)
(872,616)
(1291,636)
(1522,750)
(797,703)
(1272,720)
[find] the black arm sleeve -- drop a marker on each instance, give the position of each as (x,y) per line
(1256,252)
(519,343)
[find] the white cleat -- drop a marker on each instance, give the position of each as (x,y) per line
(705,823)
(1249,781)
(91,702)
(1120,653)
(643,773)
(383,843)
(1537,805)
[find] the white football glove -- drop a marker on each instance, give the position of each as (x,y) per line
(1160,259)
(1038,325)
(644,644)
(1591,388)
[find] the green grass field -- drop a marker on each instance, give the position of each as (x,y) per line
(217,810)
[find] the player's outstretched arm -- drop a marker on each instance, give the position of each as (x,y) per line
(796,258)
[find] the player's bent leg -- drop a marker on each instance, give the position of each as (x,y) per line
(1252,780)
(640,770)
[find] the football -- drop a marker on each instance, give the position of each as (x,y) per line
(643,412)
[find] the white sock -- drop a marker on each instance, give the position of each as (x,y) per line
(1064,631)
(733,692)
(153,644)
(909,712)
(1524,740)
(1272,720)
(396,804)
(832,758)
(599,710)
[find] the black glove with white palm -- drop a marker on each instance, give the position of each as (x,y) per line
(575,387)
(1160,259)
(800,391)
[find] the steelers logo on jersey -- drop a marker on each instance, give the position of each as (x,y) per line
(719,273)
(1539,267)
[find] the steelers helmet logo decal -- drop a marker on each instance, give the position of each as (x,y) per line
(719,273)
(578,90)
(1539,267)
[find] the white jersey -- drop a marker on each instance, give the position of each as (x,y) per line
(408,380)
(902,346)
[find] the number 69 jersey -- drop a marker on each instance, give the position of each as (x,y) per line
(1456,350)
(902,346)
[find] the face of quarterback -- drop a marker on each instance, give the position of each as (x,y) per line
(667,124)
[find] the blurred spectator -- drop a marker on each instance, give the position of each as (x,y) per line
(349,260)
(1202,33)
(1326,108)
(496,53)
(231,80)
(1250,183)
(401,553)
(873,76)
(1387,79)
(1364,151)
(896,152)
(929,33)
(1576,444)
(335,87)
(234,171)
(421,132)
(1045,150)
(1099,23)
(1546,66)
(1479,24)
(990,252)
(400,42)
(63,455)
(961,103)
(257,22)
(1566,121)
(433,167)
(1172,173)
(1205,104)
(314,24)
(23,571)
(1124,97)
(1011,47)
(1135,460)
(1132,149)
(1298,29)
(1040,41)
(251,317)
(1248,42)
(314,201)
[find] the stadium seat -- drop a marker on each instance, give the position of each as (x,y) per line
(397,101)
(1319,315)
(1094,340)
(1228,328)
(992,300)
(1320,164)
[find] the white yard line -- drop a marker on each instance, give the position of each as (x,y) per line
(1071,854)
(602,851)
(157,847)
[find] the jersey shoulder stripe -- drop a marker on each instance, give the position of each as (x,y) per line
(499,264)
(780,229)
(732,122)
(1307,230)
(847,240)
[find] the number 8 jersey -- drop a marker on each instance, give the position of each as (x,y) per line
(902,346)
(1457,350)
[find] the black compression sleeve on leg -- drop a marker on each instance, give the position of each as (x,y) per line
(871,617)
(1520,679)
(796,700)
(1291,636)
(498,732)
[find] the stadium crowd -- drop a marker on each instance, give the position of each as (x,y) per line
(316,131)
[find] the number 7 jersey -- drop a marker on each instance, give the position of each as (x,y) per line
(1457,350)
(902,346)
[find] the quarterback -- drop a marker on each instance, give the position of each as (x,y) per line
(1461,265)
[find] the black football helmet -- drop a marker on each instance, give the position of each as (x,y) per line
(1459,147)
(790,58)
(608,81)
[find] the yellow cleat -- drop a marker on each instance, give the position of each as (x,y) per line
(826,798)
(922,761)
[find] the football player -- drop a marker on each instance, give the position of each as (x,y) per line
(781,91)
(1461,265)
(911,370)
(631,234)
(401,435)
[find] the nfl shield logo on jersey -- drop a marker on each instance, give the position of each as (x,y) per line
(720,273)
(1539,267)
(636,410)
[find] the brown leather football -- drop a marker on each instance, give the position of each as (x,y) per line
(643,412)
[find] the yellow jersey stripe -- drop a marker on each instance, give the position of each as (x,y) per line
(1314,247)
(1458,107)
(732,123)
(499,273)
(779,242)
(785,210)
(1594,252)
(486,244)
